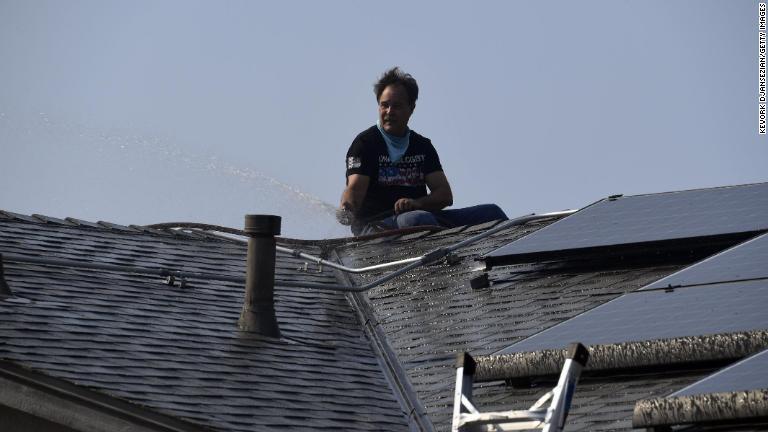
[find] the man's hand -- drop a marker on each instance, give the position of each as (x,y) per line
(352,198)
(439,197)
(405,205)
(344,216)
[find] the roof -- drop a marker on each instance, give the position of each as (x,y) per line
(383,359)
(434,316)
(178,350)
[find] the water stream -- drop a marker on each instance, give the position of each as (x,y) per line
(59,168)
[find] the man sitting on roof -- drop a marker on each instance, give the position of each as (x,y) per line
(390,167)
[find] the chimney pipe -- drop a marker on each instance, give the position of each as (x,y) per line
(259,305)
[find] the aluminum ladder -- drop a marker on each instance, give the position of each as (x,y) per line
(467,418)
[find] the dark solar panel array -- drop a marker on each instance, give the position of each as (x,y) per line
(649,218)
(748,260)
(649,315)
(748,374)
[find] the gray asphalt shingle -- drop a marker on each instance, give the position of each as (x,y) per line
(178,350)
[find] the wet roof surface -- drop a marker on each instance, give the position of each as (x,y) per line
(177,350)
(432,315)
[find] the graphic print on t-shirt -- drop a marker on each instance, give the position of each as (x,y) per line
(406,172)
(353,162)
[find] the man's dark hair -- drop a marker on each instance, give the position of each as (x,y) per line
(397,76)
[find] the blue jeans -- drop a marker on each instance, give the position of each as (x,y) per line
(446,218)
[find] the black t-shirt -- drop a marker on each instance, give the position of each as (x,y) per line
(389,182)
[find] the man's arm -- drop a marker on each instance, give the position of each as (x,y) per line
(357,187)
(440,195)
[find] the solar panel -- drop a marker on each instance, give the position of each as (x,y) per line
(649,315)
(748,260)
(748,374)
(650,218)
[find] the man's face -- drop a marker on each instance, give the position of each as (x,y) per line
(394,109)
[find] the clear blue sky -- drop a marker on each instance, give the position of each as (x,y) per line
(147,111)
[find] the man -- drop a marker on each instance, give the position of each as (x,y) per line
(390,168)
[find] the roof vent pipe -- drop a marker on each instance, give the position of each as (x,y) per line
(5,290)
(259,305)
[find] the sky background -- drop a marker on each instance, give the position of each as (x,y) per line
(155,111)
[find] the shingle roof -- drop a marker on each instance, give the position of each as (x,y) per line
(357,361)
(178,350)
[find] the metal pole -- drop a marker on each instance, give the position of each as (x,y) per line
(506,224)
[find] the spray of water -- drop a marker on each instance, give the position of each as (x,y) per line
(62,168)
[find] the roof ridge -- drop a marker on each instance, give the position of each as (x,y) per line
(393,369)
(72,222)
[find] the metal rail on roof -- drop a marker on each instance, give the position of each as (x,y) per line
(501,226)
(412,263)
(322,262)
